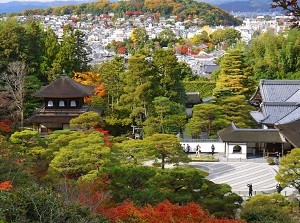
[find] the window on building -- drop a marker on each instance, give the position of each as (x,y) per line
(61,104)
(237,149)
(73,103)
(50,104)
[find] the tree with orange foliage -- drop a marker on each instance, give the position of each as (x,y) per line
(93,79)
(6,185)
(163,212)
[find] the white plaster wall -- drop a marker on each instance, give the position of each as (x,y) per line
(243,153)
(205,146)
(219,148)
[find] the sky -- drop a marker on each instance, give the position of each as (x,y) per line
(4,1)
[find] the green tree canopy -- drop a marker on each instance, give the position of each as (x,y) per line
(87,120)
(235,77)
(207,118)
(168,76)
(166,37)
(139,36)
(82,154)
(289,171)
(137,90)
(167,149)
(227,37)
(180,185)
(268,209)
(169,115)
(132,153)
(219,200)
(133,184)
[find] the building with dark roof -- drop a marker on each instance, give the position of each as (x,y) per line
(63,100)
(278,106)
(263,142)
(278,118)
(277,102)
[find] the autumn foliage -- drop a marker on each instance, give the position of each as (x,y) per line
(106,135)
(5,126)
(163,212)
(6,185)
(93,79)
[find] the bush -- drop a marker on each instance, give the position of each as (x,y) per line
(271,161)
(37,204)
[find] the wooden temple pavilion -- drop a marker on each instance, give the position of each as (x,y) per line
(63,100)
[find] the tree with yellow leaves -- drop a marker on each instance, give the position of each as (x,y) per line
(92,78)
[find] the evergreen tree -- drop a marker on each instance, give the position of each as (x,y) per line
(34,47)
(112,75)
(207,118)
(137,89)
(12,41)
(81,54)
(168,77)
(234,86)
(167,149)
(51,50)
(235,77)
(72,55)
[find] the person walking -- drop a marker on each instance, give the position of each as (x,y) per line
(198,150)
(188,149)
(250,189)
(212,149)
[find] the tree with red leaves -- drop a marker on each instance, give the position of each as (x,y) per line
(5,126)
(106,135)
(122,50)
(163,212)
(292,8)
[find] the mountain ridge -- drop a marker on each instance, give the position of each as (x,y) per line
(241,5)
(19,6)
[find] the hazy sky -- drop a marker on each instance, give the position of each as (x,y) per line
(3,1)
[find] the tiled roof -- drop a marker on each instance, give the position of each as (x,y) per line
(291,132)
(64,87)
(237,135)
(257,116)
(291,117)
(278,90)
(273,112)
(280,101)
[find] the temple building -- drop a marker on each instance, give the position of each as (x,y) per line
(63,100)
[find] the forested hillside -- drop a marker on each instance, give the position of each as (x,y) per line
(210,15)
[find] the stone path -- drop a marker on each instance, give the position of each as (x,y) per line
(239,174)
